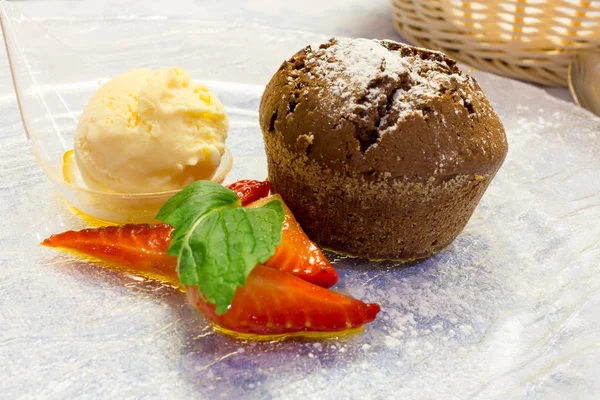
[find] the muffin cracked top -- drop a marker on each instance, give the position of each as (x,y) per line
(383,109)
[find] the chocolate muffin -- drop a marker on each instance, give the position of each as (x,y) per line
(381,150)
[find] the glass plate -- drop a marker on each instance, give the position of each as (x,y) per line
(511,309)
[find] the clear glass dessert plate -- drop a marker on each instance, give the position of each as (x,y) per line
(510,310)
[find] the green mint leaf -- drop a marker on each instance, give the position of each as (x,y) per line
(216,241)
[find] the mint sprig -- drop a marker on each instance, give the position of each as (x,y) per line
(218,242)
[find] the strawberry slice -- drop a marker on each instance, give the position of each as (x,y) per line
(297,254)
(273,302)
(143,248)
(249,190)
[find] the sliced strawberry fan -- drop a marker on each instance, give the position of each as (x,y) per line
(287,297)
(273,302)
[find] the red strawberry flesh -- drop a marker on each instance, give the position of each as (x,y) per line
(249,191)
(273,302)
(297,254)
(140,247)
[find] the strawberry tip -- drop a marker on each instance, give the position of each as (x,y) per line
(372,311)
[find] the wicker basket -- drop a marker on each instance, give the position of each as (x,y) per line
(533,40)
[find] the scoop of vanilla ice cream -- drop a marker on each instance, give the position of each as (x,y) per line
(150,131)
